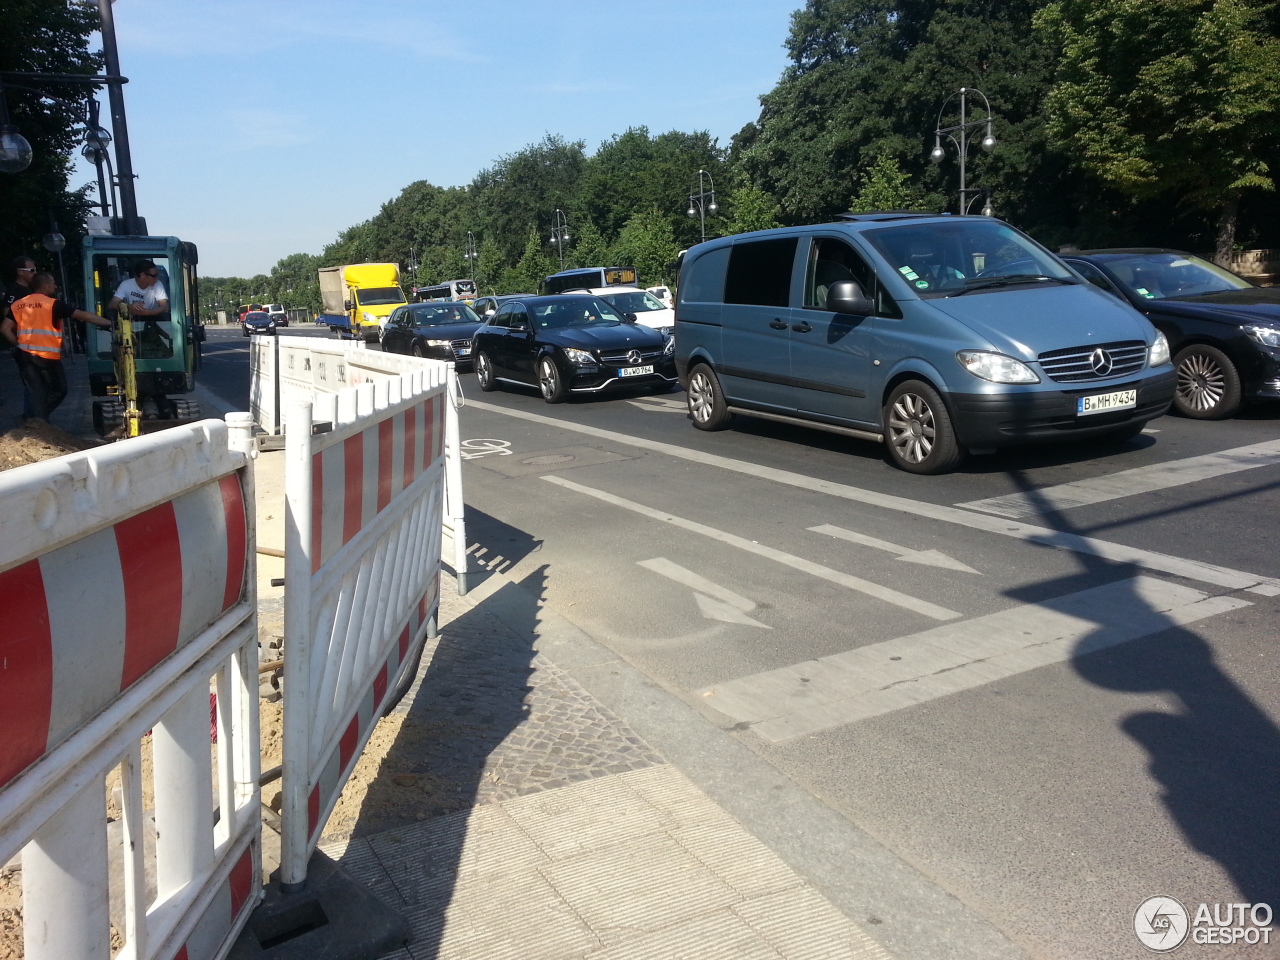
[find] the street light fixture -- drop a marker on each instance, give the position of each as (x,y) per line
(560,233)
(470,254)
(704,201)
(961,135)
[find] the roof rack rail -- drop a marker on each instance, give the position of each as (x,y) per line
(887,215)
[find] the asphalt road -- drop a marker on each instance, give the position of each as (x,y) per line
(1043,705)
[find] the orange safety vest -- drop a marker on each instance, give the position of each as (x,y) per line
(37,332)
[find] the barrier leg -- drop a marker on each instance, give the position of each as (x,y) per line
(65,881)
(184,793)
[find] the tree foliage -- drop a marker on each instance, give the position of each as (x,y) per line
(885,187)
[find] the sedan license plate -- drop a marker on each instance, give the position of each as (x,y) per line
(464,351)
(635,371)
(1106,402)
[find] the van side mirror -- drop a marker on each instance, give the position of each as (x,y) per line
(847,296)
(629,317)
(346,304)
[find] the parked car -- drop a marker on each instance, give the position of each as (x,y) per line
(258,321)
(1224,330)
(568,344)
(937,334)
(663,294)
(640,304)
(277,313)
(439,330)
(485,306)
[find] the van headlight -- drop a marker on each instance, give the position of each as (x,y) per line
(369,318)
(1267,336)
(669,347)
(996,367)
(575,355)
(1158,354)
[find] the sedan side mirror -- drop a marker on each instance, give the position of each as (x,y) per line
(847,296)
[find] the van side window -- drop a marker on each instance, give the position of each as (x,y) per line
(702,280)
(832,260)
(760,272)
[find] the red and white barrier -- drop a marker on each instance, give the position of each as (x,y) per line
(129,582)
(363,524)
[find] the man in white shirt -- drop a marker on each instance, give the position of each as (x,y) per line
(144,295)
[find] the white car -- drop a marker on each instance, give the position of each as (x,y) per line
(663,294)
(648,310)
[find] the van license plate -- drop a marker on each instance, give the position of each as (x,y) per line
(1106,402)
(635,371)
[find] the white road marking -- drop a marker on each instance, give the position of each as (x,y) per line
(883,677)
(658,407)
(1044,536)
(922,607)
(1130,483)
(930,558)
(714,601)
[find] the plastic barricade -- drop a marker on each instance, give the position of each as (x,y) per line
(129,585)
(364,493)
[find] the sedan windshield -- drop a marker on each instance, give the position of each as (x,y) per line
(574,312)
(378,296)
(943,259)
(444,314)
(634,302)
(1160,276)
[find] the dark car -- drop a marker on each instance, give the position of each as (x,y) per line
(1223,331)
(485,306)
(570,344)
(439,330)
(256,321)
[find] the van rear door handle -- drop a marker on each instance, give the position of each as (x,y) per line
(778,324)
(802,327)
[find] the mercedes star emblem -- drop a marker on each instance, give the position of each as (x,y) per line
(633,356)
(1101,362)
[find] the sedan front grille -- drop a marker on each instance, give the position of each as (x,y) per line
(620,356)
(460,345)
(1100,361)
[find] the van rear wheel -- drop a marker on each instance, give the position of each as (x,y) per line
(707,405)
(918,432)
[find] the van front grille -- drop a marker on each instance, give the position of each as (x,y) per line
(1101,361)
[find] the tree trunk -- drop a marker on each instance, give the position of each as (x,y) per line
(1227,221)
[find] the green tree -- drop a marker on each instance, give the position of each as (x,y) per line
(750,208)
(588,247)
(886,187)
(489,266)
(648,243)
(533,266)
(1174,97)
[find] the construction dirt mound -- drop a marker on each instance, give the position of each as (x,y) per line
(36,441)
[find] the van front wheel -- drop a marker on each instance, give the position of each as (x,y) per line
(707,405)
(918,431)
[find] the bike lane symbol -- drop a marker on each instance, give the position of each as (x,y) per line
(483,447)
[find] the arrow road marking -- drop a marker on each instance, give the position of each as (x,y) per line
(931,558)
(714,601)
(915,605)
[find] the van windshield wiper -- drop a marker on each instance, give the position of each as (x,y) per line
(977,283)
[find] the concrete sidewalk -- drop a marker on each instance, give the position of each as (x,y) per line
(512,814)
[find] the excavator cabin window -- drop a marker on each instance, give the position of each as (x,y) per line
(153,335)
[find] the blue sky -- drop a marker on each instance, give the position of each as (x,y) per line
(262,128)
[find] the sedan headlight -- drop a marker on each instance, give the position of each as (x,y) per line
(669,347)
(1158,355)
(996,367)
(1267,336)
(578,356)
(438,343)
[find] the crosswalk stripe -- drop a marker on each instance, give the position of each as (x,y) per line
(1129,483)
(883,677)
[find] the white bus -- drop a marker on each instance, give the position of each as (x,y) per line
(449,290)
(589,278)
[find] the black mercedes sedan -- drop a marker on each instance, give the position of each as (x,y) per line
(571,344)
(441,330)
(1223,331)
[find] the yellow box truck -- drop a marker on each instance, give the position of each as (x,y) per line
(357,299)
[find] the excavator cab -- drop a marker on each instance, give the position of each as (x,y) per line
(143,365)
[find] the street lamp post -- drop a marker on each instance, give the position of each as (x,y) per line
(560,233)
(703,201)
(470,254)
(961,134)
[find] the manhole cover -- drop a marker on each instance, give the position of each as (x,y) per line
(549,459)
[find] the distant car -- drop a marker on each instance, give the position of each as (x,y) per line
(277,313)
(485,306)
(644,306)
(439,330)
(258,321)
(570,344)
(663,294)
(1223,330)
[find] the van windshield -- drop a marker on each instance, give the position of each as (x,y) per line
(378,296)
(942,259)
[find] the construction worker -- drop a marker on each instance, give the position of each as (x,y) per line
(34,326)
